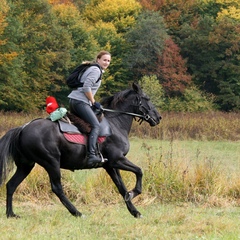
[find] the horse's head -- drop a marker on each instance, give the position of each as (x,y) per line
(133,102)
(145,107)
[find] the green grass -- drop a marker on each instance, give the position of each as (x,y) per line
(221,152)
(113,222)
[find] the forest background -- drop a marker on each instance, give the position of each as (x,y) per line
(184,53)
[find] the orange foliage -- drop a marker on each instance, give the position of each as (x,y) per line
(172,10)
(172,70)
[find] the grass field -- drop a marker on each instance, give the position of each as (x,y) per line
(215,217)
(112,222)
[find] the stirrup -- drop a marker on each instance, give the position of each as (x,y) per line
(96,164)
(100,154)
(103,159)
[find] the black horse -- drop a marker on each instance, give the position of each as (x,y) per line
(42,142)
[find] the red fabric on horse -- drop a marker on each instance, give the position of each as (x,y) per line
(80,138)
(76,138)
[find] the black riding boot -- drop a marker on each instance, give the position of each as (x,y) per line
(92,157)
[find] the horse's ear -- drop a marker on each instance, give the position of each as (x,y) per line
(136,87)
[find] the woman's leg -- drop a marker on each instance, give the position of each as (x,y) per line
(85,112)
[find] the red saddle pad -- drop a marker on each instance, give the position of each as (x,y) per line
(76,138)
(80,138)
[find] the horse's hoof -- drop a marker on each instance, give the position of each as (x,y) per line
(77,214)
(13,216)
(128,196)
(139,215)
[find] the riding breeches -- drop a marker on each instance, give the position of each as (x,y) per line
(85,112)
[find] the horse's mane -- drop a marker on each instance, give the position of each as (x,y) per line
(119,97)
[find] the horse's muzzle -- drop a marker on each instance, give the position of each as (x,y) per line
(153,121)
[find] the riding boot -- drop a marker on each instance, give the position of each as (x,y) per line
(91,156)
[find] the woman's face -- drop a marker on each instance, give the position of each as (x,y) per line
(104,61)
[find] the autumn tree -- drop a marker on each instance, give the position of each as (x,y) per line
(6,55)
(207,33)
(147,39)
(110,20)
(121,13)
(40,44)
(174,12)
(49,40)
(213,58)
(82,45)
(153,52)
(172,70)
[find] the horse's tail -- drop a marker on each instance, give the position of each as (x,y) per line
(8,152)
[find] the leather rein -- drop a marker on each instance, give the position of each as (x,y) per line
(144,116)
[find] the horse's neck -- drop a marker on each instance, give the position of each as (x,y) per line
(126,123)
(122,123)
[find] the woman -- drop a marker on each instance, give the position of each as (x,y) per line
(82,102)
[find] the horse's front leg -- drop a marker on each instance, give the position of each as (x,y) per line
(117,179)
(125,164)
(138,187)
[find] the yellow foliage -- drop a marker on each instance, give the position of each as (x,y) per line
(105,25)
(66,10)
(231,12)
(7,57)
(230,8)
(232,2)
(120,12)
(4,8)
(3,11)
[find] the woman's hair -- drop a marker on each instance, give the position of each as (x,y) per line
(101,53)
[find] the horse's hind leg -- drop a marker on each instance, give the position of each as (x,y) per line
(20,174)
(55,179)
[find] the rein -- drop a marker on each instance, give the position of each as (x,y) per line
(142,117)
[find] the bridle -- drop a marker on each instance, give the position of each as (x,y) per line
(144,116)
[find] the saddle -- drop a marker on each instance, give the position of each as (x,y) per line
(76,130)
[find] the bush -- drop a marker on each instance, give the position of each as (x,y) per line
(153,89)
(192,100)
